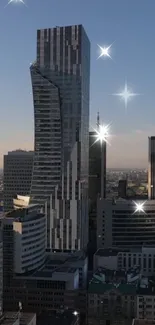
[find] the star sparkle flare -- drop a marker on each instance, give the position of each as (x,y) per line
(104,52)
(126,94)
(15,2)
(139,207)
(102,133)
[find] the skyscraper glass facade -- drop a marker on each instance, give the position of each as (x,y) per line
(60,82)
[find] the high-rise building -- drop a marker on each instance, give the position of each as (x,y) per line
(151,169)
(17,175)
(60,82)
(122,187)
(94,190)
(94,167)
(120,225)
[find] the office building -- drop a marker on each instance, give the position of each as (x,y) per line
(140,321)
(28,226)
(122,188)
(60,81)
(117,259)
(146,299)
(39,280)
(119,225)
(17,175)
(18,318)
(151,169)
(94,189)
(112,297)
(94,167)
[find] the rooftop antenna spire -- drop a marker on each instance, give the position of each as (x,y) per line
(98,120)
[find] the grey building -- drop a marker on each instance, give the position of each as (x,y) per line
(17,175)
(122,188)
(60,81)
(151,169)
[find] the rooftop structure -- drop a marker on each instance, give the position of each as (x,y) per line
(21,201)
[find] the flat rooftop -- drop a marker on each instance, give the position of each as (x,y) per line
(107,252)
(48,273)
(25,214)
(105,279)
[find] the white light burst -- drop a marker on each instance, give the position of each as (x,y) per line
(15,2)
(139,207)
(75,313)
(102,133)
(105,51)
(126,94)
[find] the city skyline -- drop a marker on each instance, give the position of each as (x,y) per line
(133,57)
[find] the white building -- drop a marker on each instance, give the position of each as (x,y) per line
(17,175)
(21,201)
(119,225)
(29,233)
(116,259)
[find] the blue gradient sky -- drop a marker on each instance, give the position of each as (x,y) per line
(130,23)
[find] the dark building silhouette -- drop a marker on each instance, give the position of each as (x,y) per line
(151,169)
(97,185)
(122,187)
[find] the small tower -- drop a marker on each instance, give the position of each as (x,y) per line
(98,120)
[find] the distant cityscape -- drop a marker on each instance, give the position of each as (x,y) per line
(137,181)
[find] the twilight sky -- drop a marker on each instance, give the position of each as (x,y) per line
(130,24)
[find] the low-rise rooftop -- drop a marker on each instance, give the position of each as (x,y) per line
(107,252)
(104,279)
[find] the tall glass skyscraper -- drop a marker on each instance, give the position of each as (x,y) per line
(60,82)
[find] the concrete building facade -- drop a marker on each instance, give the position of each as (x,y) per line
(60,81)
(28,230)
(17,175)
(115,259)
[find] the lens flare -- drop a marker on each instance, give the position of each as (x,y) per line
(126,94)
(105,52)
(15,2)
(139,207)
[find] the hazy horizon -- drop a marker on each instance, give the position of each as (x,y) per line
(120,23)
